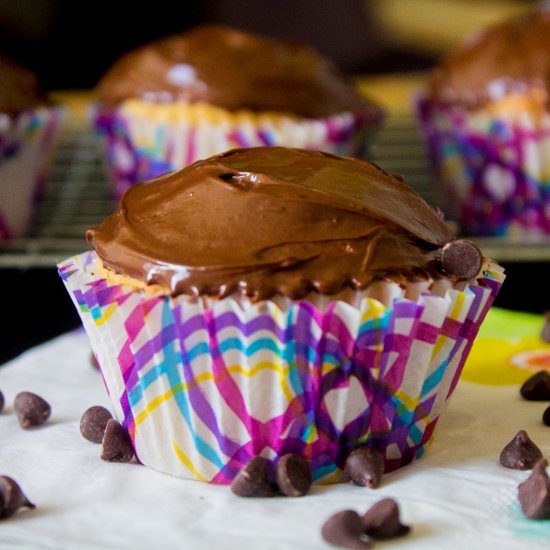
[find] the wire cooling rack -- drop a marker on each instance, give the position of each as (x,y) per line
(77,197)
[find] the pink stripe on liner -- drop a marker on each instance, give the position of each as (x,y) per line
(191,153)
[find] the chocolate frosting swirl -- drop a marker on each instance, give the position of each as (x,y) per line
(234,70)
(507,58)
(272,220)
(19,89)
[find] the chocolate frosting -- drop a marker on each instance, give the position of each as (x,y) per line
(508,58)
(19,88)
(234,70)
(272,220)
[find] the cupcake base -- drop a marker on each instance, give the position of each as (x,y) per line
(26,143)
(142,140)
(494,166)
(203,386)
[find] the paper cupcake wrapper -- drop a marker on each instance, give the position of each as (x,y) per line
(204,386)
(143,140)
(495,168)
(26,143)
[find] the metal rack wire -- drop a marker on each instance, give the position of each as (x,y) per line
(78,196)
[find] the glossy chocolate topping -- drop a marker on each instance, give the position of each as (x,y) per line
(234,70)
(19,88)
(508,58)
(272,220)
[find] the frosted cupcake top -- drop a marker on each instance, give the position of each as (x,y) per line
(272,220)
(234,70)
(19,89)
(507,58)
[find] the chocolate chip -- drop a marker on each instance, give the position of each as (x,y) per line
(534,493)
(382,520)
(521,453)
(31,409)
(461,259)
(93,423)
(546,416)
(116,445)
(293,475)
(545,332)
(252,480)
(345,529)
(536,387)
(2,401)
(11,497)
(364,466)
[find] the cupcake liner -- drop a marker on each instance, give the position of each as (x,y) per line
(202,386)
(26,143)
(143,140)
(495,166)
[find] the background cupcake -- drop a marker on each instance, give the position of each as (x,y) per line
(211,89)
(28,124)
(268,301)
(486,119)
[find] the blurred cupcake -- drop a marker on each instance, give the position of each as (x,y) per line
(28,124)
(486,118)
(192,95)
(268,301)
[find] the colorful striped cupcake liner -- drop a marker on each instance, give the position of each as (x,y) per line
(143,140)
(495,168)
(26,143)
(203,386)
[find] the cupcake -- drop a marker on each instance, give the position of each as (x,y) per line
(271,300)
(196,94)
(28,124)
(486,119)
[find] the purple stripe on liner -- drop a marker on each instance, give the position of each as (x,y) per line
(191,155)
(197,399)
(266,138)
(482,303)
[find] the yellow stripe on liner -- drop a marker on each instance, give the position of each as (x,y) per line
(459,304)
(106,314)
(187,462)
(407,401)
(455,313)
(209,376)
(331,478)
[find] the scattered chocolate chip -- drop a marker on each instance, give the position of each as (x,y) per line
(2,401)
(534,493)
(345,529)
(293,475)
(31,409)
(546,416)
(11,497)
(382,520)
(461,258)
(116,445)
(364,466)
(93,423)
(545,332)
(536,387)
(521,453)
(252,480)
